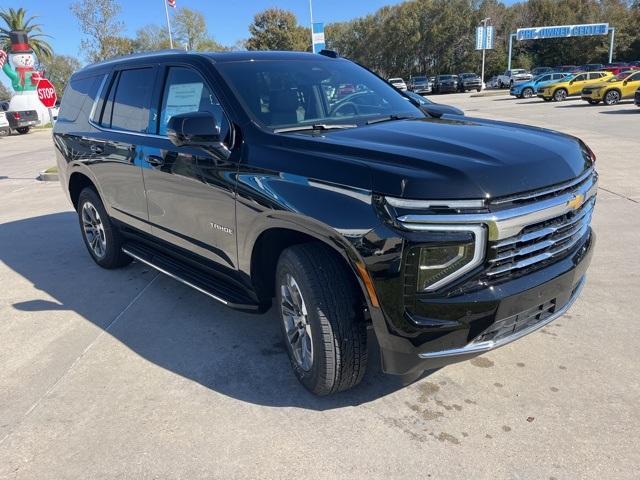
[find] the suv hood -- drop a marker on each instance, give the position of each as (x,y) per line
(456,158)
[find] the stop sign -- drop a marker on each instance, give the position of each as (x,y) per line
(47,93)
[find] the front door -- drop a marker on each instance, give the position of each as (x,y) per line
(191,192)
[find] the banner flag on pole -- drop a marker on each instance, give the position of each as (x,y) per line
(318,37)
(171,3)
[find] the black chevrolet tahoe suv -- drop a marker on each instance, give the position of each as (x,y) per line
(247,177)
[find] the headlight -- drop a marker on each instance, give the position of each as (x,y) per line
(437,263)
(440,264)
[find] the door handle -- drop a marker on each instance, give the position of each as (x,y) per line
(155,160)
(98,149)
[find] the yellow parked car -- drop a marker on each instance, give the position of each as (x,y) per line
(571,86)
(623,85)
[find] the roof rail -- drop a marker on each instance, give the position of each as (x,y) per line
(152,53)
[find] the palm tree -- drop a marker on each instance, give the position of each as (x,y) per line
(15,20)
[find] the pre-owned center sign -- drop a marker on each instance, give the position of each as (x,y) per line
(562,31)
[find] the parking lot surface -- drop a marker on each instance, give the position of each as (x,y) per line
(129,374)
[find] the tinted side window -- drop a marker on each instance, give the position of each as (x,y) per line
(580,78)
(186,91)
(75,96)
(545,78)
(129,101)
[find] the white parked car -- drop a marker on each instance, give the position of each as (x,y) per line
(4,124)
(509,77)
(398,83)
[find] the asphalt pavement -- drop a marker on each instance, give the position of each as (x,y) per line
(129,374)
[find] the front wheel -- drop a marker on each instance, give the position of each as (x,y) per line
(478,89)
(102,239)
(560,95)
(527,92)
(23,130)
(611,97)
(321,319)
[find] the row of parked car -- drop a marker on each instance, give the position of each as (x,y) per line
(449,83)
(510,77)
(592,86)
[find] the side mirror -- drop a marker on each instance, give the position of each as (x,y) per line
(437,110)
(196,129)
(625,82)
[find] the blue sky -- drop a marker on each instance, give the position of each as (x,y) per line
(227,20)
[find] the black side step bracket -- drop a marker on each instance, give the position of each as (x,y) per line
(198,280)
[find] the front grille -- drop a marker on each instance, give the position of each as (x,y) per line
(539,244)
(516,323)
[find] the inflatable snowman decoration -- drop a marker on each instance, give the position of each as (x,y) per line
(20,68)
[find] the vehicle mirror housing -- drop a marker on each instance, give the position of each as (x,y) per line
(196,129)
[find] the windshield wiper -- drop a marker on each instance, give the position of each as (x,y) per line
(390,118)
(314,127)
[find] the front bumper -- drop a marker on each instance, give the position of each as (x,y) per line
(421,90)
(447,88)
(492,317)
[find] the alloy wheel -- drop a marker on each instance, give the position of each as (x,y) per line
(527,92)
(560,95)
(612,97)
(93,230)
(296,323)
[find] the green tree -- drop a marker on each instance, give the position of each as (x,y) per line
(151,37)
(98,21)
(5,92)
(59,69)
(17,20)
(277,29)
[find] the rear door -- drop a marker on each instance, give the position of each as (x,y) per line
(191,192)
(122,120)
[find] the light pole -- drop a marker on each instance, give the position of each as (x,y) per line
(484,44)
(311,19)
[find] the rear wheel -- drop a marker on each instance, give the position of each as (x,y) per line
(321,319)
(102,239)
(560,95)
(527,92)
(23,130)
(611,97)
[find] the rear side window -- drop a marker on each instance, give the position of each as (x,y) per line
(128,102)
(75,96)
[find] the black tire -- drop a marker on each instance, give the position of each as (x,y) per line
(527,92)
(611,97)
(478,89)
(23,130)
(560,95)
(112,256)
(338,337)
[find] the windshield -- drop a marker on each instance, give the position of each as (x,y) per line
(281,93)
(420,79)
(447,77)
(515,72)
(620,77)
(468,75)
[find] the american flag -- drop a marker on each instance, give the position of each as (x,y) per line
(171,3)
(3,58)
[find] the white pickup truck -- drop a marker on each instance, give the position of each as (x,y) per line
(509,77)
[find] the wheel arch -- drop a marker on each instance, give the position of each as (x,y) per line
(77,182)
(271,242)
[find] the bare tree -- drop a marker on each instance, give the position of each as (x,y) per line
(98,20)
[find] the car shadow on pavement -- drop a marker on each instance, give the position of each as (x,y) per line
(633,111)
(178,329)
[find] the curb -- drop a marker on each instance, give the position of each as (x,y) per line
(48,177)
(490,93)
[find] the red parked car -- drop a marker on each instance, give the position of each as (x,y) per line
(617,68)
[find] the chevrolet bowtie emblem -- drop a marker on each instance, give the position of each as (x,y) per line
(576,202)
